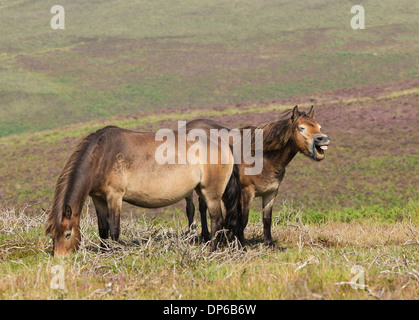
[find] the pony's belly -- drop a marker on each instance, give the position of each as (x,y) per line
(161,191)
(154,200)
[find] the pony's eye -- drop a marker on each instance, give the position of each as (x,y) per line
(301,128)
(67,234)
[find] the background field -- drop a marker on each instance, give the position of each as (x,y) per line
(144,65)
(130,56)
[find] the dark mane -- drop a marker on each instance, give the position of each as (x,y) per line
(276,134)
(66,180)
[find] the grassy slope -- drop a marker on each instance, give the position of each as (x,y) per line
(127,57)
(155,261)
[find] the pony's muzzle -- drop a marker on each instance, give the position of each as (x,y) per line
(320,143)
(321,139)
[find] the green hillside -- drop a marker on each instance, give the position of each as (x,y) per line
(124,57)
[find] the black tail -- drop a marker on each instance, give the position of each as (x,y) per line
(232,200)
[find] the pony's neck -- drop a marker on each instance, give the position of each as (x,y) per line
(280,158)
(278,143)
(73,184)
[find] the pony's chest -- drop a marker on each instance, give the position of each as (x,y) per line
(266,187)
(268,183)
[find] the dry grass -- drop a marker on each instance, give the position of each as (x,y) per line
(157,260)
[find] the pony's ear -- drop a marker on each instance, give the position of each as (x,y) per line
(67,211)
(311,112)
(295,113)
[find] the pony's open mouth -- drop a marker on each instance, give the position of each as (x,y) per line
(319,151)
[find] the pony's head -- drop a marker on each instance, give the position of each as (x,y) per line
(308,138)
(65,232)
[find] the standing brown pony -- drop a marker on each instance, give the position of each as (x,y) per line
(113,165)
(295,132)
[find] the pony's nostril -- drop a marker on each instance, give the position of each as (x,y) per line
(321,138)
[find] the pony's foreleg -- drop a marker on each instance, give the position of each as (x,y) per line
(247,197)
(114,201)
(102,213)
(203,211)
(268,202)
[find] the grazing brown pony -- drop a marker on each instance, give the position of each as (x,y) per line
(295,132)
(113,165)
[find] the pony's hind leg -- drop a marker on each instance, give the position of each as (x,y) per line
(190,209)
(203,211)
(102,213)
(216,210)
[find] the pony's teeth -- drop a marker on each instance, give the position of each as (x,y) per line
(323,147)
